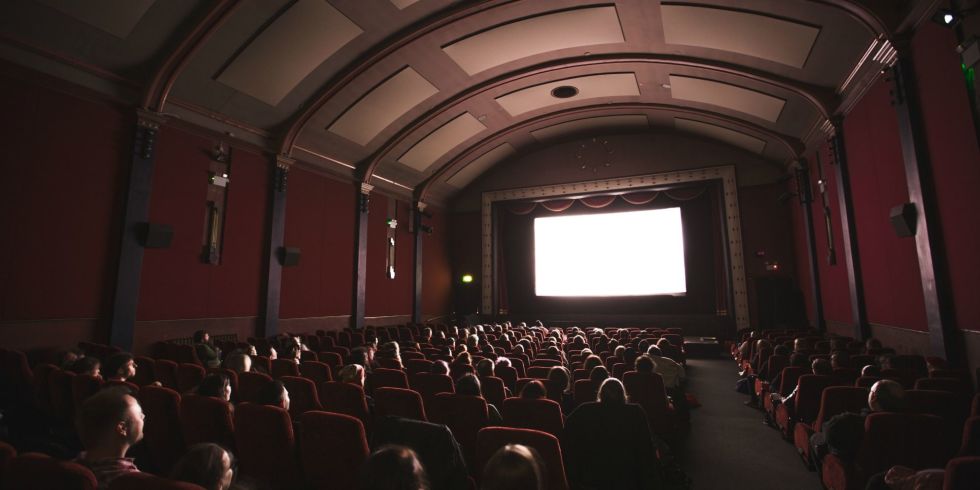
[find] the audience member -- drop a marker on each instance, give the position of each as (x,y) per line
(599,374)
(68,357)
(208,465)
(274,393)
(109,423)
(484,368)
(560,377)
(842,434)
(239,362)
(86,365)
(469,385)
(534,390)
(215,385)
(393,468)
(119,367)
(644,364)
(514,467)
(207,353)
(440,367)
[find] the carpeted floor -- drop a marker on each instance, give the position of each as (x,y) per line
(728,446)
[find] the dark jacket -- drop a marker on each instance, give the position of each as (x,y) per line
(610,447)
(435,445)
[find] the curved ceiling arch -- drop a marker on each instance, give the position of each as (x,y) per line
(793,146)
(817,97)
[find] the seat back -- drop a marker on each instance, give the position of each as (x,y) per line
(428,385)
(457,370)
(399,402)
(464,415)
(347,399)
(266,445)
(492,439)
(890,439)
(206,419)
(647,390)
(390,378)
(970,443)
(332,447)
(837,400)
(303,396)
(953,411)
(165,372)
(332,359)
(509,375)
(284,367)
(144,371)
(542,414)
(42,388)
(416,366)
(846,376)
(585,391)
(34,471)
(62,399)
(914,363)
(162,433)
(539,372)
(866,381)
(493,390)
(189,376)
(185,353)
(809,392)
(789,376)
(146,481)
(962,473)
(84,386)
(957,386)
(249,385)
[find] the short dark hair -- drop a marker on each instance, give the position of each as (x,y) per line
(644,364)
(272,393)
(115,362)
(213,385)
(100,413)
(202,465)
(84,365)
(591,362)
(468,384)
(393,467)
(559,374)
(534,390)
(514,466)
(822,366)
(199,336)
(440,367)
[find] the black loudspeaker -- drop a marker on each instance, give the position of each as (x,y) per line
(288,256)
(155,235)
(903,219)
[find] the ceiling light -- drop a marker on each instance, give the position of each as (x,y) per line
(946,17)
(564,92)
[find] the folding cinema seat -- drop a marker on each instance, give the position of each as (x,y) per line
(391,378)
(904,376)
(42,389)
(846,376)
(915,364)
(62,399)
(787,381)
(249,385)
(345,398)
(189,376)
(144,371)
(162,430)
(416,366)
(647,390)
(975,405)
(951,409)
(543,415)
(303,396)
(970,443)
(464,415)
(82,387)
(540,362)
(16,378)
(410,355)
(555,391)
(332,359)
(957,386)
(356,339)
(619,369)
(7,452)
(806,403)
(146,481)
(399,402)
(283,367)
(493,390)
(834,400)
(457,370)
(185,353)
(866,381)
(773,366)
(308,355)
(429,385)
(316,371)
(492,439)
(538,372)
(509,375)
(890,439)
(266,446)
(962,473)
(262,364)
(165,371)
(34,471)
(332,447)
(206,419)
(585,391)
(343,339)
(578,374)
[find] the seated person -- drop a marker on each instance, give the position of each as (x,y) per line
(440,367)
(68,357)
(355,374)
(393,467)
(109,423)
(120,368)
(274,393)
(207,353)
(842,434)
(819,366)
(514,466)
(470,385)
(207,465)
(238,362)
(86,365)
(559,376)
(534,390)
(215,385)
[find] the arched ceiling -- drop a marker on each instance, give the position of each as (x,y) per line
(425,95)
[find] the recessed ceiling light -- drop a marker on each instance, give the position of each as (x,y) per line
(564,92)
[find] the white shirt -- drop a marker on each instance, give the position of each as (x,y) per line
(671,371)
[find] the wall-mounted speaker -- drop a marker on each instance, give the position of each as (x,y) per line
(154,235)
(289,256)
(903,218)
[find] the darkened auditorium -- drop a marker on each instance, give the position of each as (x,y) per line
(489,245)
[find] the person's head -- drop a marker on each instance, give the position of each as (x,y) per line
(822,366)
(560,376)
(871,344)
(215,385)
(619,351)
(86,365)
(612,391)
(799,360)
(393,468)
(468,384)
(359,355)
(426,334)
(440,367)
(119,366)
(352,373)
(208,465)
(274,393)
(598,374)
(502,361)
(591,362)
(239,362)
(886,396)
(67,358)
(290,351)
(484,368)
(110,420)
(534,390)
(870,370)
(781,350)
(514,467)
(201,337)
(653,350)
(644,364)
(839,359)
(464,358)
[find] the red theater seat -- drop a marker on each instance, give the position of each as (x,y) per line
(332,446)
(399,402)
(647,390)
(189,376)
(284,367)
(970,443)
(316,371)
(332,359)
(7,452)
(585,391)
(834,400)
(303,396)
(416,366)
(206,419)
(429,385)
(491,439)
(42,386)
(509,375)
(266,446)
(144,371)
(33,471)
(232,380)
(464,415)
(62,399)
(543,415)
(390,378)
(805,404)
(84,386)
(962,474)
(162,431)
(347,399)
(165,372)
(493,390)
(146,481)
(249,385)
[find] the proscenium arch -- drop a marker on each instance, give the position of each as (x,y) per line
(794,146)
(854,9)
(818,97)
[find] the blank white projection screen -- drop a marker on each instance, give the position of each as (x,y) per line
(636,253)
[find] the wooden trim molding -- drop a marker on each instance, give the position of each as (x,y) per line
(733,221)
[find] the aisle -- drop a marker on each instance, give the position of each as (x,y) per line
(728,446)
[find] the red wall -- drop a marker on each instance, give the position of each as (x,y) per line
(465,248)
(955,161)
(802,255)
(437,278)
(834,286)
(320,221)
(389,297)
(63,162)
(175,283)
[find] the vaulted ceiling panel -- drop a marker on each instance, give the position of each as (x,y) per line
(401,4)
(528,37)
(752,34)
(481,164)
(591,125)
(116,18)
(730,136)
(382,106)
(441,141)
(726,95)
(302,38)
(588,87)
